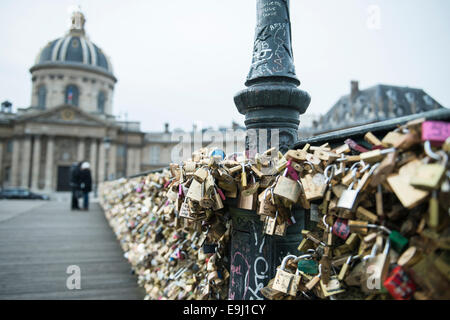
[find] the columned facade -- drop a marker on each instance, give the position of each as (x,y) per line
(70,119)
(101,161)
(14,179)
(80,150)
(93,160)
(36,163)
(49,164)
(112,167)
(26,159)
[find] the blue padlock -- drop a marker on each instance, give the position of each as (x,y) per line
(218,152)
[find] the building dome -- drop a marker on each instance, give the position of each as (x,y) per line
(74,49)
(72,70)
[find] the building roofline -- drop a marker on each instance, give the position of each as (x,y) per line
(74,66)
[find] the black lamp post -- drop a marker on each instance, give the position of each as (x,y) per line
(272,99)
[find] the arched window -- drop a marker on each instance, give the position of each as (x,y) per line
(72,95)
(101,102)
(42,95)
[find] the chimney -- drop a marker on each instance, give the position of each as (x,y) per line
(166,127)
(194,128)
(354,90)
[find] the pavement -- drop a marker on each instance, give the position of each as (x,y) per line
(43,242)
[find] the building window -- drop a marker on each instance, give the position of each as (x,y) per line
(72,95)
(7,175)
(101,102)
(120,151)
(42,95)
(154,154)
(9,146)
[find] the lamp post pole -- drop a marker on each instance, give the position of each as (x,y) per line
(272,99)
(271,102)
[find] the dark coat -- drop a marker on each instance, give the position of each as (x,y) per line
(85,180)
(75,176)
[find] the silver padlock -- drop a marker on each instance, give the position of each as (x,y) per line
(349,198)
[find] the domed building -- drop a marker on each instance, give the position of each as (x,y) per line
(73,70)
(70,119)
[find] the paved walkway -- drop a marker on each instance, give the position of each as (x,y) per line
(40,239)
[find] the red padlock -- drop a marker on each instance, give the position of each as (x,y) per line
(399,284)
(291,171)
(341,228)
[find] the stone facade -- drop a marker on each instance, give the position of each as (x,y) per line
(70,119)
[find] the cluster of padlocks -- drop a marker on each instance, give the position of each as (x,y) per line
(172,256)
(380,218)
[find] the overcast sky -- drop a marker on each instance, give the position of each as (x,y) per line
(182,61)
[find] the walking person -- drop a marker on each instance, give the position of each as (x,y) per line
(85,183)
(75,185)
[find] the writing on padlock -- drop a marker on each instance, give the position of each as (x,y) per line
(285,281)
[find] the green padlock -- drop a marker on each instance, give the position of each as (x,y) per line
(310,267)
(398,242)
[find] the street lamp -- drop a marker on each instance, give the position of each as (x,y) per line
(272,99)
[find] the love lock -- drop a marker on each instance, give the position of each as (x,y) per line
(287,282)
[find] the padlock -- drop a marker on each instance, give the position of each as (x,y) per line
(435,131)
(410,257)
(307,265)
(385,168)
(247,202)
(349,198)
(342,149)
(270,224)
(393,139)
(345,267)
(314,184)
(251,188)
(280,163)
(286,282)
(341,228)
(353,145)
(332,287)
(375,155)
(313,282)
(185,211)
(366,215)
(201,174)
(409,196)
(195,191)
(266,205)
(377,266)
(398,241)
(271,293)
(399,284)
(429,176)
(281,229)
(372,139)
(287,188)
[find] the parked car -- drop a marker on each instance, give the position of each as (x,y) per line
(21,193)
